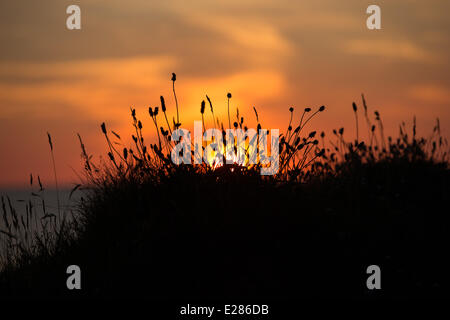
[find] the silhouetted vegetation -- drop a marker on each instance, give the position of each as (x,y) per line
(149,228)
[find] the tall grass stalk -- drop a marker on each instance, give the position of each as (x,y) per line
(55,175)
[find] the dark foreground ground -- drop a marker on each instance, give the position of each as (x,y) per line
(229,237)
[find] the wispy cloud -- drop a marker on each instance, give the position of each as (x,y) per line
(98,88)
(430,93)
(388,48)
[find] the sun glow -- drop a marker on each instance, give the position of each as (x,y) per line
(217,159)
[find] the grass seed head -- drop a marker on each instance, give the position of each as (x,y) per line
(202,108)
(163,104)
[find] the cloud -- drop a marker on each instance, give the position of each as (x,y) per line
(430,93)
(396,49)
(98,88)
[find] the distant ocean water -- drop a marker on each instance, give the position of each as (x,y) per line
(21,197)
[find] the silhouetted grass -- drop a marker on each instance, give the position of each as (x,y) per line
(148,227)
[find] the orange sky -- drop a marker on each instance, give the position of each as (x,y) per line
(269,54)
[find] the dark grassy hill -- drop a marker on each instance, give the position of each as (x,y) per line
(150,228)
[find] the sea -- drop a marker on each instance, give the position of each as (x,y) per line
(48,198)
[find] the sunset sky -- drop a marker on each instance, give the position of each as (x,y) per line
(269,54)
